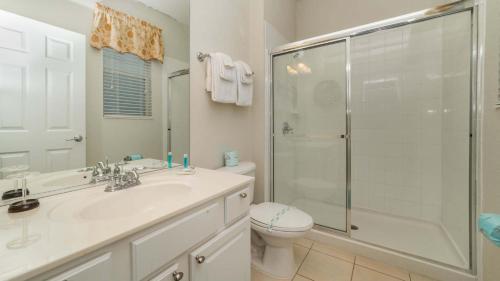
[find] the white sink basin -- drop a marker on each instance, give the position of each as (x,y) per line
(120,204)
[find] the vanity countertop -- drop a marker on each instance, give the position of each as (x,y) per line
(70,225)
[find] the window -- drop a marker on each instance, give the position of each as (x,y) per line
(127,85)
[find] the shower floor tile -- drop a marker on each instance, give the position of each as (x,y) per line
(416,237)
(419,238)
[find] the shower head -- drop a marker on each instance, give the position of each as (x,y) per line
(298,54)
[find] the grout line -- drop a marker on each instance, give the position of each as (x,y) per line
(301,263)
(335,257)
(304,277)
(384,273)
(353,267)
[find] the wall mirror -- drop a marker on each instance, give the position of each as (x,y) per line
(70,111)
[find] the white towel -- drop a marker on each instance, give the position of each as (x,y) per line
(245,84)
(221,78)
(227,70)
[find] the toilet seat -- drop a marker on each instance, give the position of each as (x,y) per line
(278,217)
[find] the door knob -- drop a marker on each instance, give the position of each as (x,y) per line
(200,259)
(177,275)
(78,138)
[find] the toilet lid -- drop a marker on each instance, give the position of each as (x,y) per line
(280,217)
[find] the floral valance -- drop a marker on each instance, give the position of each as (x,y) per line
(126,34)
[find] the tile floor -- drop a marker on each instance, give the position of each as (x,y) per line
(320,262)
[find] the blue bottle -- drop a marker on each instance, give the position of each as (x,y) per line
(169,160)
(186,161)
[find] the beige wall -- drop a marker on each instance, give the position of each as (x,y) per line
(106,137)
(491,137)
(317,17)
(281,15)
(224,26)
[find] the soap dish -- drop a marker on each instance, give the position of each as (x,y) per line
(23,205)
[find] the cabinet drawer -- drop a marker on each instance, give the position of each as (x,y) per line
(158,248)
(237,204)
(98,269)
(224,258)
(179,271)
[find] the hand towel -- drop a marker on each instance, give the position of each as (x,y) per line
(245,84)
(221,78)
(227,67)
(208,74)
(490,226)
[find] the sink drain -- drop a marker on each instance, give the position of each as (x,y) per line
(354,227)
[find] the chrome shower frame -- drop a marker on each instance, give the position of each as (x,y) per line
(475,7)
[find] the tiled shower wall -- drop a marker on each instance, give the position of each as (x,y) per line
(396,121)
(410,109)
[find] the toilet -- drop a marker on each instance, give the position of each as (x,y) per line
(274,228)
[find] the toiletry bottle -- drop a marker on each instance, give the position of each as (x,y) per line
(169,160)
(186,161)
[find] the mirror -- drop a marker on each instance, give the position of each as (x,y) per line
(69,111)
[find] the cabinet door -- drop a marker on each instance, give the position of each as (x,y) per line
(224,258)
(176,272)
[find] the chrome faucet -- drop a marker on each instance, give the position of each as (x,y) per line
(122,180)
(101,172)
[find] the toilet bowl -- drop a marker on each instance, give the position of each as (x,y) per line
(278,226)
(274,228)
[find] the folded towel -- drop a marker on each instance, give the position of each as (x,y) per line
(221,78)
(245,74)
(227,70)
(245,84)
(208,74)
(490,226)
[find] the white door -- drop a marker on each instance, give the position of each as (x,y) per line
(224,258)
(42,95)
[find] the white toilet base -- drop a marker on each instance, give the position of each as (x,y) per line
(277,263)
(275,259)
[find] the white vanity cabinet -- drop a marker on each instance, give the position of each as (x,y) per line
(199,244)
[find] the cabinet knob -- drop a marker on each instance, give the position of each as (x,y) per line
(200,259)
(177,275)
(243,195)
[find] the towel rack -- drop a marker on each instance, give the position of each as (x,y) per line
(202,56)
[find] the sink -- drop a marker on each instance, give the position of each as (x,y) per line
(121,204)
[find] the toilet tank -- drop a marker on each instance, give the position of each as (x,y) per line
(243,168)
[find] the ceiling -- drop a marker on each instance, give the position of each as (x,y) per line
(178,9)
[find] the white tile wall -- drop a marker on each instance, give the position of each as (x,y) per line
(396,122)
(410,106)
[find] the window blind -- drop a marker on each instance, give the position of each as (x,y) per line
(127,85)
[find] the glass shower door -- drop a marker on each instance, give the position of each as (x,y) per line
(309,142)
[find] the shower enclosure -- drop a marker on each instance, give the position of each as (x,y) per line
(374,132)
(178,113)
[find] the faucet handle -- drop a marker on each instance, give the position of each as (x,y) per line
(100,165)
(135,174)
(117,170)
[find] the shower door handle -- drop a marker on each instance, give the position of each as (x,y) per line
(344,136)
